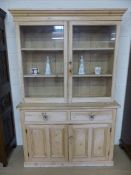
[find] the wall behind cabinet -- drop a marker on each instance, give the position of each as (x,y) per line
(123,53)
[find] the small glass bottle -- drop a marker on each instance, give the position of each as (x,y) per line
(81,66)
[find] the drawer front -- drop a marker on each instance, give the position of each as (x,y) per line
(96,116)
(45,116)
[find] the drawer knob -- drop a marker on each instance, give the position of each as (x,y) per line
(45,116)
(91,117)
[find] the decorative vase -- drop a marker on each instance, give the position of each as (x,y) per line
(47,67)
(81,67)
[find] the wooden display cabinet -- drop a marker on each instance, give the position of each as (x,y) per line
(67,105)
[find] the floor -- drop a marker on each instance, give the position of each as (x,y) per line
(15,167)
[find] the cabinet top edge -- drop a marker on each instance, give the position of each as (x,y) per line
(64,106)
(69,12)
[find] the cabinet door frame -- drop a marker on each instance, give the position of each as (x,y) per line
(90,142)
(92,23)
(79,158)
(64,146)
(48,131)
(45,22)
(29,135)
(107,128)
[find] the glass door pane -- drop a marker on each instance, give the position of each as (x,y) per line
(93,58)
(42,50)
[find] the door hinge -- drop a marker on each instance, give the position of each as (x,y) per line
(108,153)
(110,129)
(28,154)
(26,131)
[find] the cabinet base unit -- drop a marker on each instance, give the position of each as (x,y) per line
(65,164)
(68,134)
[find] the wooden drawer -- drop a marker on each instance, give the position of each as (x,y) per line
(45,116)
(96,116)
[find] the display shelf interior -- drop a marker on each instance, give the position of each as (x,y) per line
(42,37)
(94,59)
(37,88)
(96,44)
(38,59)
(94,37)
(91,87)
(39,43)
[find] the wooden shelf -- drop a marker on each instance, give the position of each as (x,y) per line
(42,49)
(75,75)
(93,49)
(61,49)
(42,76)
(93,75)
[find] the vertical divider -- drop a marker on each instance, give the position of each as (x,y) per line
(70,59)
(19,53)
(65,62)
(90,142)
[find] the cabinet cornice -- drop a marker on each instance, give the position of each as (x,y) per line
(91,14)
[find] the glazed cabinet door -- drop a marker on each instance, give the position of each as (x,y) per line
(38,143)
(101,137)
(47,143)
(79,143)
(91,59)
(44,61)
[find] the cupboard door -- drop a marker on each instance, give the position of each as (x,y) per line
(89,142)
(44,61)
(38,143)
(79,137)
(100,141)
(92,56)
(58,143)
(47,143)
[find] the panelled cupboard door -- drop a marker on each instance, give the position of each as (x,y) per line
(79,143)
(101,135)
(89,142)
(47,143)
(38,142)
(58,143)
